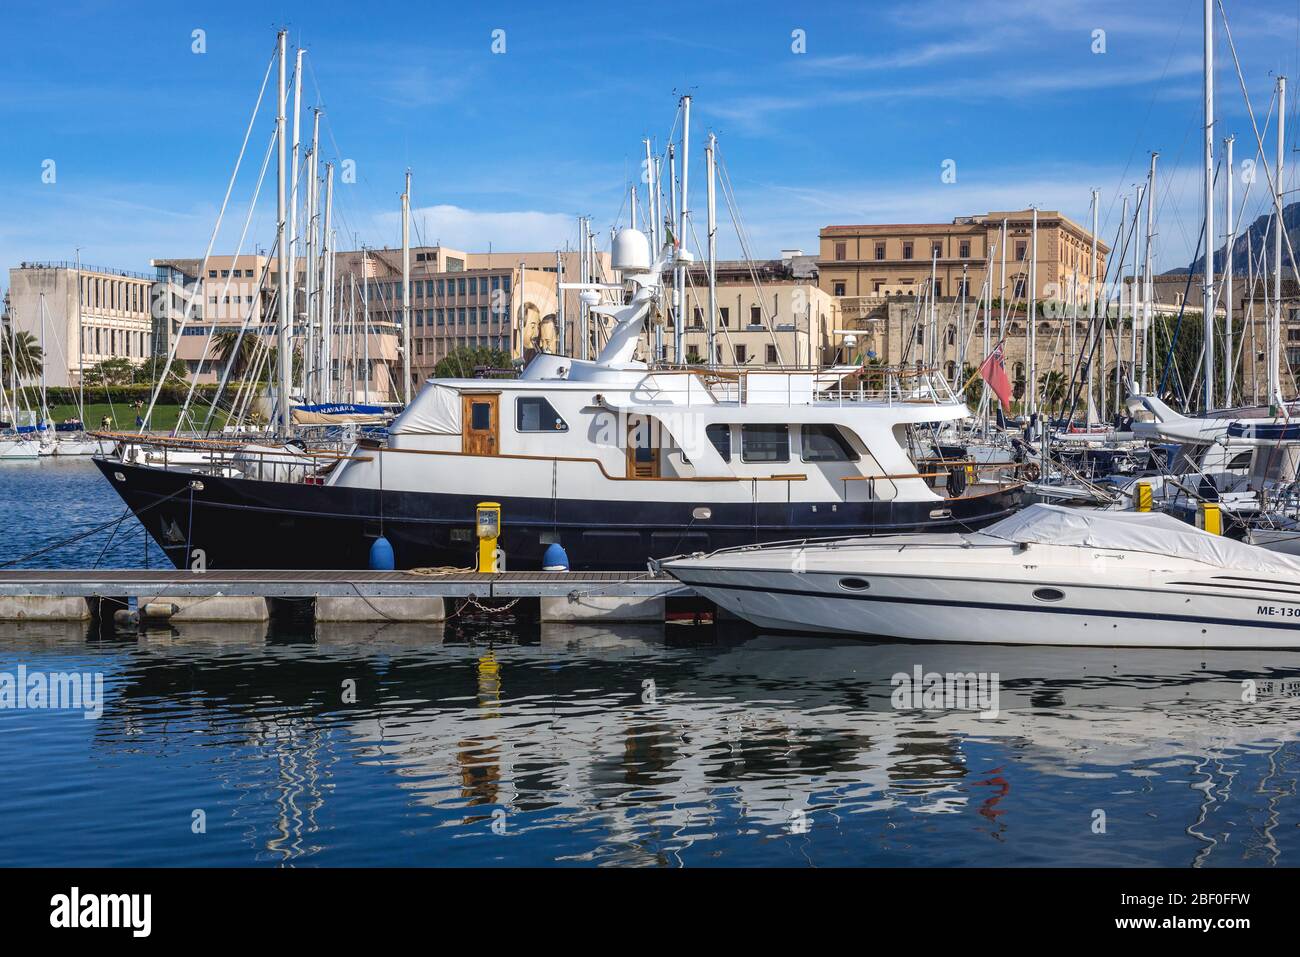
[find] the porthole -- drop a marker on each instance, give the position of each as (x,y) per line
(1048,594)
(855,584)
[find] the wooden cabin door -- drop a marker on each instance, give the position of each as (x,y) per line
(480,424)
(642,449)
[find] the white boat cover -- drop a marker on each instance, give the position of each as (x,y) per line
(1152,532)
(435,411)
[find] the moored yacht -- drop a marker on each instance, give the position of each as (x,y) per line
(1047,575)
(612,459)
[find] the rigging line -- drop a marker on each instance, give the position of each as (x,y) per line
(212,239)
(742,235)
(221,296)
(239,339)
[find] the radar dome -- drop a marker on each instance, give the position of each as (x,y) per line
(631,251)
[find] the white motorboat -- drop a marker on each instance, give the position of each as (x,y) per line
(1046,575)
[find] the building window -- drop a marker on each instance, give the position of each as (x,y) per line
(698,319)
(841,251)
(725,315)
(755,315)
(764,443)
(741,355)
(771,354)
(1020,249)
(907,250)
(880,250)
(535,414)
(840,287)
(963,249)
(938,288)
(1020,288)
(825,443)
(936,250)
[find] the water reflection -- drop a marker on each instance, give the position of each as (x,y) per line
(486,743)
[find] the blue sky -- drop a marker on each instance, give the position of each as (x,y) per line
(509,148)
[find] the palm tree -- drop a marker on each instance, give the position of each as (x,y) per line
(1053,387)
(30,356)
(225,344)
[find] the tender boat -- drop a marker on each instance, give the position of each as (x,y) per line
(1047,575)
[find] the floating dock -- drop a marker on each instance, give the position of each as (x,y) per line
(242,595)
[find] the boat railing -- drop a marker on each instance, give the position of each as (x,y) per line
(781,386)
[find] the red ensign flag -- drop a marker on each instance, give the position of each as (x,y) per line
(995,374)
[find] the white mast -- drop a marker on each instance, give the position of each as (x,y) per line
(81,351)
(1207,278)
(1031,387)
(293,201)
(560,346)
(1275,333)
(711,163)
(1119,319)
(677,241)
(1135,292)
(327,267)
(406,291)
(310,362)
(679,330)
(1002,289)
(1149,283)
(1092,308)
(1230,352)
(282,327)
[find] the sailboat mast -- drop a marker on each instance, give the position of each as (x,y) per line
(711,162)
(1031,387)
(327,314)
(1275,333)
(1135,294)
(1229,350)
(406,291)
(291,286)
(282,326)
(1207,277)
(1092,304)
(679,330)
(310,361)
(1150,287)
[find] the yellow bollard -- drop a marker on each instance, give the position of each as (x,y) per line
(1144,496)
(1211,518)
(488,519)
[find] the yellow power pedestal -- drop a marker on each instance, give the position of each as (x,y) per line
(488,521)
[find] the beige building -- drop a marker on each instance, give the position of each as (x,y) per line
(897,259)
(770,313)
(82,314)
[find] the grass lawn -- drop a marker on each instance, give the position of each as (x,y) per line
(123,416)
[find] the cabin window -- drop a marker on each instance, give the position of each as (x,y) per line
(535,414)
(765,443)
(480,416)
(826,443)
(720,435)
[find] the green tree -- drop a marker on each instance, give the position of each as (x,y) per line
(155,367)
(116,371)
(1052,386)
(228,343)
(461,363)
(30,356)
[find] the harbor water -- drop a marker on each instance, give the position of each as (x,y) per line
(495,740)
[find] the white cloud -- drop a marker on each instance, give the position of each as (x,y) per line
(476,230)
